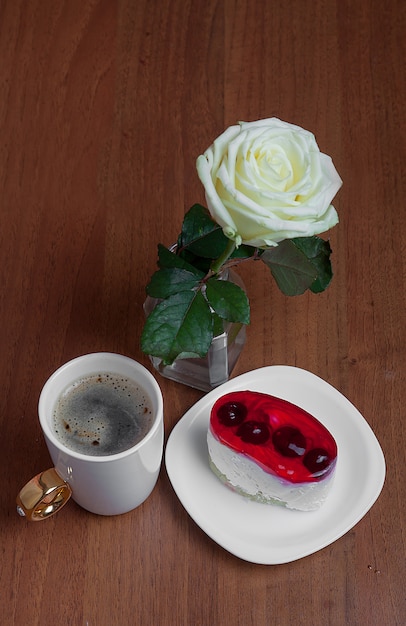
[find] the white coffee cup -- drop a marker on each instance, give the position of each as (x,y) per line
(105,485)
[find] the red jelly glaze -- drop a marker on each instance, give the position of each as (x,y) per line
(296,465)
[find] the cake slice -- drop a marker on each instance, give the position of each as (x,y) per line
(271,450)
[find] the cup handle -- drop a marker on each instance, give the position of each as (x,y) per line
(43,496)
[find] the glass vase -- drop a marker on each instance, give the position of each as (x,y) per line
(206,373)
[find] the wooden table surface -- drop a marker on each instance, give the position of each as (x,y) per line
(104,107)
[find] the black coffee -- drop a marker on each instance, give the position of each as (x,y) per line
(102,414)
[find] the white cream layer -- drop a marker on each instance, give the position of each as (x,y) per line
(249,479)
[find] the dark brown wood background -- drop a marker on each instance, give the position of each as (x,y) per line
(104,107)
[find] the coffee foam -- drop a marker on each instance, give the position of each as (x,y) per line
(102,414)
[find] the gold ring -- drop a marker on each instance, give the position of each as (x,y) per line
(43,496)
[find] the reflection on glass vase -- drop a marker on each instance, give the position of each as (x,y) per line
(215,368)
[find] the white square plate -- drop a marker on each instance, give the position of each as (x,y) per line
(268,534)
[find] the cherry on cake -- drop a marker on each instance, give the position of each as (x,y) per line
(271,450)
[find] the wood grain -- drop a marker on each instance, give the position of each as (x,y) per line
(104,107)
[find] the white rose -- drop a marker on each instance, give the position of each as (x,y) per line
(267,181)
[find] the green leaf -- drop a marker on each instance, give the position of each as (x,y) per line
(179,327)
(168,281)
(245,252)
(201,264)
(291,269)
(202,235)
(228,300)
(318,251)
(218,325)
(168,259)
